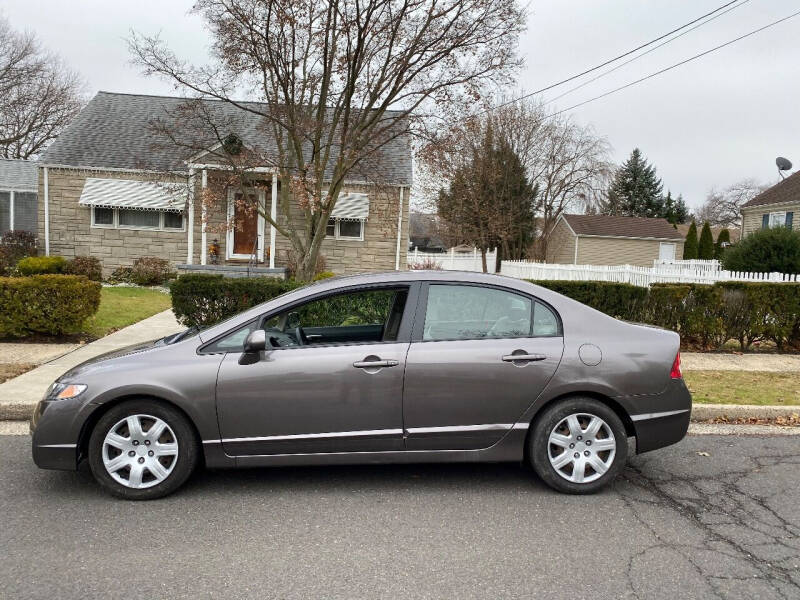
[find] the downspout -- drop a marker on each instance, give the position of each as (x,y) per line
(46,213)
(575,260)
(399,230)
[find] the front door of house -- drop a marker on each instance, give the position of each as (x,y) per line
(245,225)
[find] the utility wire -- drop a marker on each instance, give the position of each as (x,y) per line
(676,65)
(616,58)
(653,49)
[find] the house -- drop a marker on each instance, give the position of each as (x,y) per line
(18,183)
(715,231)
(612,240)
(110,189)
(774,207)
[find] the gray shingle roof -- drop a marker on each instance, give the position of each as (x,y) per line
(115,131)
(21,175)
(786,190)
(623,227)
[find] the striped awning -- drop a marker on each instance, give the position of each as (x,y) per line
(140,195)
(351,206)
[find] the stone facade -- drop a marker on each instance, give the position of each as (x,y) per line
(72,234)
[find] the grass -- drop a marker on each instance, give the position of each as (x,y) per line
(10,371)
(123,306)
(744,387)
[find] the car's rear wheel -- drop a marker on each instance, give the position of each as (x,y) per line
(578,445)
(142,449)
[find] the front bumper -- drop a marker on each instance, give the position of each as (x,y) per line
(55,432)
(662,419)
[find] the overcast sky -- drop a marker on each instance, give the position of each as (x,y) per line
(711,122)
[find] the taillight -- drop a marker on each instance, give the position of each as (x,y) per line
(676,368)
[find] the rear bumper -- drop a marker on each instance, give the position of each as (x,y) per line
(663,419)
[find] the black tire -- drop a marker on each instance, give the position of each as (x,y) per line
(185,463)
(539,446)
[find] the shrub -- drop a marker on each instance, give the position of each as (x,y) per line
(428,264)
(121,275)
(41,265)
(620,300)
(50,304)
(149,270)
(202,300)
(690,248)
(693,310)
(705,247)
(765,251)
(723,241)
(14,246)
(88,266)
(761,311)
(324,275)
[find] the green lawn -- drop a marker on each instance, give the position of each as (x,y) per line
(123,306)
(744,387)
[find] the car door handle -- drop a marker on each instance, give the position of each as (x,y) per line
(523,357)
(313,336)
(375,364)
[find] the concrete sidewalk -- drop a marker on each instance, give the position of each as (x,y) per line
(713,361)
(19,396)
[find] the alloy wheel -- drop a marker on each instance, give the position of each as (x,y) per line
(581,448)
(140,451)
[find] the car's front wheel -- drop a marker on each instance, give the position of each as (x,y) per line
(578,445)
(142,449)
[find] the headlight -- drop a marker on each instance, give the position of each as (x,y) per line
(64,391)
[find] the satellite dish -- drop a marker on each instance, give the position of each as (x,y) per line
(783,164)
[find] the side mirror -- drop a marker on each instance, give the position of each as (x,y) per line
(255,342)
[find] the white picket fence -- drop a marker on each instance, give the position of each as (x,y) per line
(453,261)
(641,276)
(695,265)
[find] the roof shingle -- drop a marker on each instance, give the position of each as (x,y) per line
(115,131)
(787,190)
(622,227)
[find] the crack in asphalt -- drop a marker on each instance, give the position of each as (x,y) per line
(718,508)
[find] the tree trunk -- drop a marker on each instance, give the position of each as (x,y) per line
(498,259)
(483,260)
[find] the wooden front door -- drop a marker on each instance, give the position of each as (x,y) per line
(245,233)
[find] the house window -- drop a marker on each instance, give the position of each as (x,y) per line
(345,229)
(777,219)
(17,211)
(129,218)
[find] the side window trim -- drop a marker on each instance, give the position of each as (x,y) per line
(417,334)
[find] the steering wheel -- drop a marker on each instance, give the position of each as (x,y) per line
(300,335)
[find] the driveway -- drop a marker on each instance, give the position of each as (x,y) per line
(713,517)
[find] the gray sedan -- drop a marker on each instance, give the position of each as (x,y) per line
(389,368)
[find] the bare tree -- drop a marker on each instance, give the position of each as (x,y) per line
(722,208)
(336,81)
(39,95)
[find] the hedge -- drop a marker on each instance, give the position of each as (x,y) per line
(41,265)
(49,304)
(202,300)
(705,315)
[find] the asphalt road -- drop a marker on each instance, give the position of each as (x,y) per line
(677,524)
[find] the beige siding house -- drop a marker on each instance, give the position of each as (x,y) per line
(774,207)
(108,189)
(612,240)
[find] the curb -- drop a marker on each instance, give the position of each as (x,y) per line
(703,412)
(11,411)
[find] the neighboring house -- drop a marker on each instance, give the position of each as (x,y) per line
(109,188)
(611,240)
(774,207)
(734,231)
(423,234)
(18,183)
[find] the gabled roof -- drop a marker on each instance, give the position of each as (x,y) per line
(787,190)
(622,227)
(114,131)
(18,175)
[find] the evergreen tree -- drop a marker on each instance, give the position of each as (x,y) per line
(690,248)
(636,190)
(724,237)
(705,249)
(675,210)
